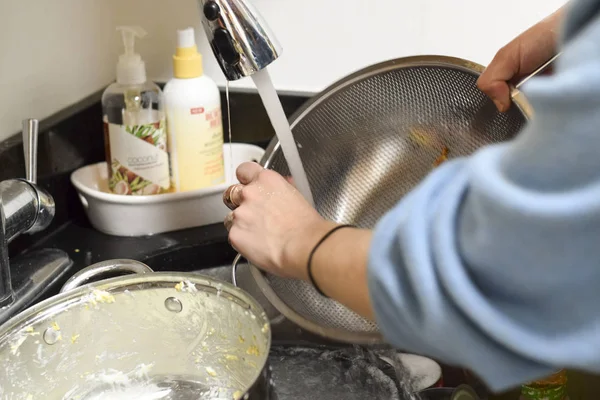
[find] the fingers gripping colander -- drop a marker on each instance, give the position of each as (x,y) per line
(369,139)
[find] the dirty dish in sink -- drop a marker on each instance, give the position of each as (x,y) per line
(162,335)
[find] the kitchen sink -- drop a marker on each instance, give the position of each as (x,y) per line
(206,251)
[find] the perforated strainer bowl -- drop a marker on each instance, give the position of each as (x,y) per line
(368,140)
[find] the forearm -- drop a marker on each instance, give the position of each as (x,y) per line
(551,24)
(339,268)
(339,265)
(539,42)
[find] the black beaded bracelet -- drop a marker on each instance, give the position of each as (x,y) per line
(311,278)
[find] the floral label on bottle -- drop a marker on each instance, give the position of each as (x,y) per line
(138,158)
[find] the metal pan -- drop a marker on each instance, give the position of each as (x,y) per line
(171,335)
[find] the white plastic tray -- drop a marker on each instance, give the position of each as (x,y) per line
(147,215)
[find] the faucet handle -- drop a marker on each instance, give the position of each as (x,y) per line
(30,148)
(239,37)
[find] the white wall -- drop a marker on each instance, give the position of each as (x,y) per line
(324,40)
(55,52)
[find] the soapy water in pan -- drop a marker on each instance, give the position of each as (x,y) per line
(158,388)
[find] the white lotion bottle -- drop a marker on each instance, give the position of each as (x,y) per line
(194,122)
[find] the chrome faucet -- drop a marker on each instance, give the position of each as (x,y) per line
(26,208)
(241,40)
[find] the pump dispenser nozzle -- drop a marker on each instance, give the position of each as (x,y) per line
(131,69)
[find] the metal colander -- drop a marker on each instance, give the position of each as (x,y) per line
(368,140)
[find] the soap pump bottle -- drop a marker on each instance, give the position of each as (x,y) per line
(193,108)
(135,136)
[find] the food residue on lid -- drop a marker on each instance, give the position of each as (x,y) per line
(102,296)
(186,286)
(74,338)
(211,371)
(30,331)
(98,296)
(14,348)
(253,351)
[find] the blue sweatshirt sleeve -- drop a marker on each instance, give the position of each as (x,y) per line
(493,261)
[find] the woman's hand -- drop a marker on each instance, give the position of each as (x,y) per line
(519,58)
(271,224)
(276,230)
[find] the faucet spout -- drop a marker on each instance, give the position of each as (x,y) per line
(239,37)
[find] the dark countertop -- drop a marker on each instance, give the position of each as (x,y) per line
(187,250)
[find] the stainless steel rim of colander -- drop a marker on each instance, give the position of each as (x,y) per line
(346,336)
(360,337)
(404,62)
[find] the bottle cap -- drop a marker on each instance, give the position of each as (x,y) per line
(187,61)
(131,69)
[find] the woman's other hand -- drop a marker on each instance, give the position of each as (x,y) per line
(519,58)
